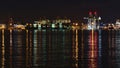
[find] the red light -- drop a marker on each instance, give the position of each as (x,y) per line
(95,13)
(90,13)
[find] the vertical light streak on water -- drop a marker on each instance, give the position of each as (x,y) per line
(113,40)
(35,47)
(92,54)
(10,38)
(49,48)
(82,44)
(11,48)
(30,48)
(44,47)
(111,57)
(93,50)
(92,59)
(109,41)
(3,50)
(110,48)
(99,42)
(100,48)
(63,38)
(113,45)
(27,49)
(117,52)
(73,42)
(76,47)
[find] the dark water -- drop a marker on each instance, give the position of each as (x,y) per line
(59,49)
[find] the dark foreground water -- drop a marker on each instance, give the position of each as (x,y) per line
(59,49)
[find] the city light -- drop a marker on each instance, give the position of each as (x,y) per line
(93,22)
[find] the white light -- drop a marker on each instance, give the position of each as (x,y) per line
(53,25)
(99,18)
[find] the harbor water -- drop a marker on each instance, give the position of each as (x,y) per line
(59,48)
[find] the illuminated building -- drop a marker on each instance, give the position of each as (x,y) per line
(61,23)
(45,23)
(118,24)
(10,23)
(93,21)
(75,26)
(2,26)
(57,23)
(19,26)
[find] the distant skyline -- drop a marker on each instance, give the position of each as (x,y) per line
(53,8)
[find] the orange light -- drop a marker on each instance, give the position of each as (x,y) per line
(76,24)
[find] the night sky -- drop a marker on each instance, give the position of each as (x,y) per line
(108,9)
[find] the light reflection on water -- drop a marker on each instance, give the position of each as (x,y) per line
(3,50)
(60,48)
(117,49)
(75,48)
(93,54)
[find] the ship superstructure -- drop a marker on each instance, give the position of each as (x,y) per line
(93,20)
